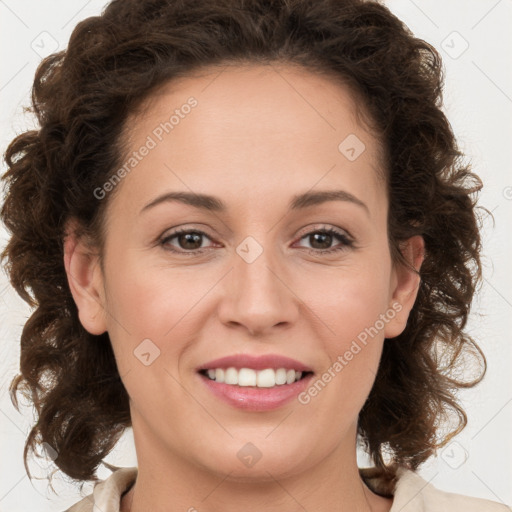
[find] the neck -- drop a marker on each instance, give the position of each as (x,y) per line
(168,482)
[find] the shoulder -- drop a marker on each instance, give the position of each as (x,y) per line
(106,496)
(412,493)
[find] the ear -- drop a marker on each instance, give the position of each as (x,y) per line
(85,281)
(404,285)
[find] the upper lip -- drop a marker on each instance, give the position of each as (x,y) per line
(256,362)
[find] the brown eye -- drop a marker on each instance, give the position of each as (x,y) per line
(321,241)
(188,241)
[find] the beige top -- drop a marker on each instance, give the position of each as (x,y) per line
(411,493)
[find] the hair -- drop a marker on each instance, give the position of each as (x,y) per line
(82,97)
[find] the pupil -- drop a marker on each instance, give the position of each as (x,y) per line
(189,239)
(323,235)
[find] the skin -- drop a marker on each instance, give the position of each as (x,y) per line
(258,136)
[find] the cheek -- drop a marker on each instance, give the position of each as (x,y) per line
(355,307)
(359,305)
(149,304)
(153,322)
(348,300)
(170,306)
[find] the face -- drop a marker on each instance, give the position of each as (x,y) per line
(269,273)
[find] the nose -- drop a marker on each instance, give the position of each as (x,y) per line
(258,292)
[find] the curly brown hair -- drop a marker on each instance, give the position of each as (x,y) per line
(82,97)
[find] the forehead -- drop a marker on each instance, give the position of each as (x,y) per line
(254,128)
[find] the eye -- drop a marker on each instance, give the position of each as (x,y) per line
(324,238)
(189,241)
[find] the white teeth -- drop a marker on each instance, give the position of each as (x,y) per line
(231,376)
(281,376)
(219,375)
(246,377)
(267,378)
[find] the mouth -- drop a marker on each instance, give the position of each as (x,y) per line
(251,394)
(255,382)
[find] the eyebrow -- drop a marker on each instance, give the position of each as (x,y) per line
(214,204)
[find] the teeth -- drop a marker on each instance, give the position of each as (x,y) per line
(267,378)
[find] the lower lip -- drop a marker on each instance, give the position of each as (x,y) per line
(252,398)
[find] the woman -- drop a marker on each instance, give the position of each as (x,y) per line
(158,221)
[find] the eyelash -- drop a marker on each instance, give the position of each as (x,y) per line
(347,242)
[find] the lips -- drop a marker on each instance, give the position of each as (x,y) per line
(255,362)
(253,399)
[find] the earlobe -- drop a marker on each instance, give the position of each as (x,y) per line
(405,285)
(85,282)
